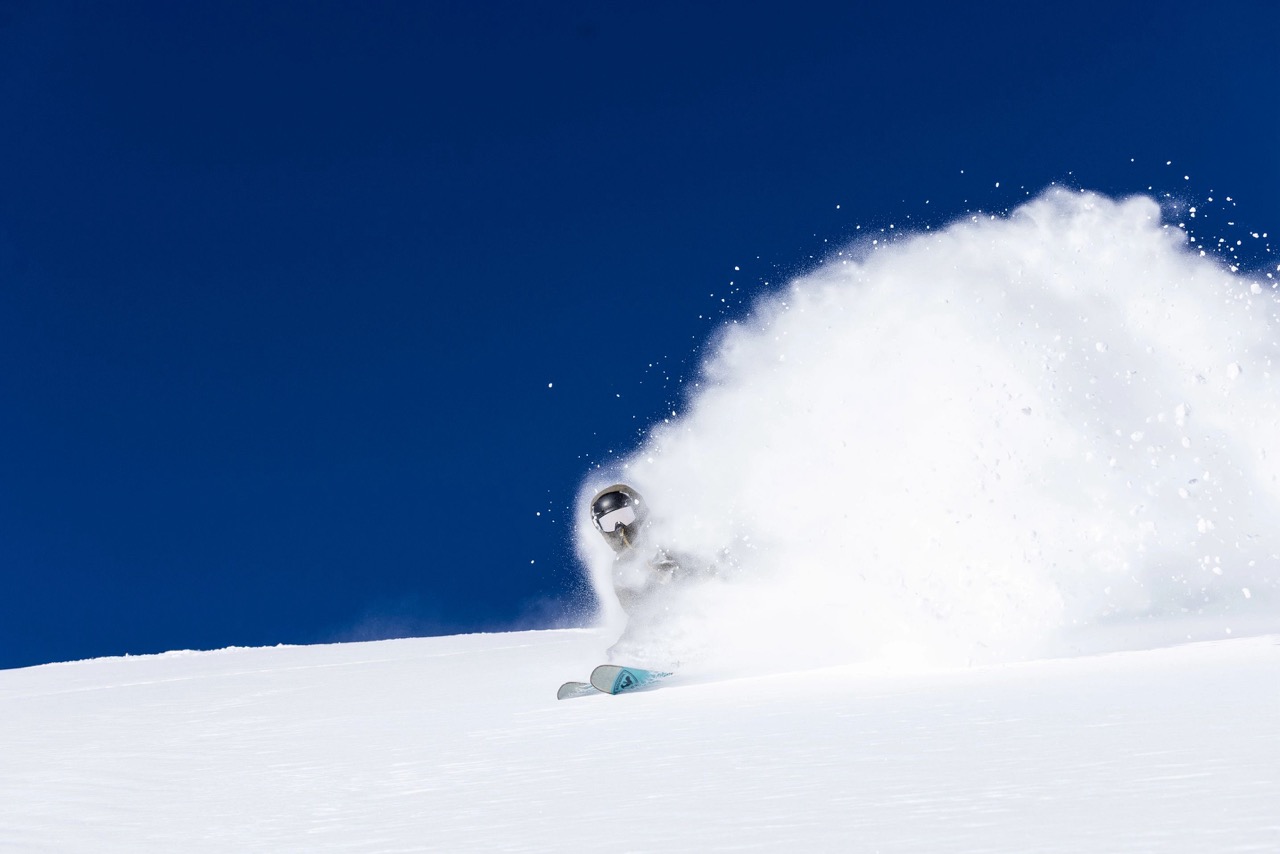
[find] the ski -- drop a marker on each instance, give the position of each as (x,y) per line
(575,689)
(612,679)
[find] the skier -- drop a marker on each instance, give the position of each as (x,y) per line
(642,579)
(619,514)
(645,590)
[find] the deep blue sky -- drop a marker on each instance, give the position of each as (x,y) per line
(283,285)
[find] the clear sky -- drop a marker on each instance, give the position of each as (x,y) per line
(314,315)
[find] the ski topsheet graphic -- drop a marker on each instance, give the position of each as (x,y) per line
(613,679)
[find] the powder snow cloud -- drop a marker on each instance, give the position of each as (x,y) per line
(974,444)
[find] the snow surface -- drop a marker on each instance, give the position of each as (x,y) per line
(458,744)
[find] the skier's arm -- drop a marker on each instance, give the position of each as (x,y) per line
(663,563)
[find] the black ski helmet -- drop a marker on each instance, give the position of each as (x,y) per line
(618,513)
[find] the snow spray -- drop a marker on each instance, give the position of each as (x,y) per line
(985,443)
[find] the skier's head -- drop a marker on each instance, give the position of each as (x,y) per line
(618,513)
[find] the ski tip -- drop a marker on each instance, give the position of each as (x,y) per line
(575,689)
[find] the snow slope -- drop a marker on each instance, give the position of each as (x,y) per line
(457,744)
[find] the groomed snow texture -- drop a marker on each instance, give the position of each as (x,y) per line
(458,744)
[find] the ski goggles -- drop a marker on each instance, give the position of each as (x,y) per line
(609,522)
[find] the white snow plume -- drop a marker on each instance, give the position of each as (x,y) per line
(983,443)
